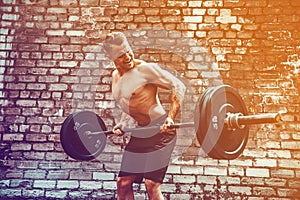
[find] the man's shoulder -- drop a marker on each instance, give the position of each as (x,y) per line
(115,75)
(143,65)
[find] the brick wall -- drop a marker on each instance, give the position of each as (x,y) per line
(52,64)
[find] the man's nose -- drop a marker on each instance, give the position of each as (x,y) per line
(127,56)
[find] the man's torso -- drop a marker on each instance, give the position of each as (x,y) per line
(136,96)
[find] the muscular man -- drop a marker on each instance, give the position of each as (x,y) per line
(134,86)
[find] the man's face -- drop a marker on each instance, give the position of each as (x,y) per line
(125,61)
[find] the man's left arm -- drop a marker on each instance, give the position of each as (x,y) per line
(166,80)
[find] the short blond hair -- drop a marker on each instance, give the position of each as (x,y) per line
(115,45)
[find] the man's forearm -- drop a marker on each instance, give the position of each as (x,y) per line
(174,107)
(177,97)
(125,118)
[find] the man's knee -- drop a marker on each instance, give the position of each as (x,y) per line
(151,185)
(124,182)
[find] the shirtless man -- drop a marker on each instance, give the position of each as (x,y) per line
(134,86)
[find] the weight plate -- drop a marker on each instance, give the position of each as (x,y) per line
(214,136)
(200,120)
(75,139)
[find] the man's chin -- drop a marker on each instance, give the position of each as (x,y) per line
(130,65)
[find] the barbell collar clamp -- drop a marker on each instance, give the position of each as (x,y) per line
(239,121)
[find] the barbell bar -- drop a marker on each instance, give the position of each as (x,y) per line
(233,121)
(220,124)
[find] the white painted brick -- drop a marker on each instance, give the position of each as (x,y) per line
(238,162)
(75,33)
(229,180)
(90,185)
(9,192)
(252,180)
(184,179)
(79,194)
(207,162)
(55,32)
(258,172)
(265,163)
(192,19)
(56,10)
(272,145)
(68,63)
(226,19)
(279,154)
(283,173)
(190,188)
(277,182)
(58,174)
(293,164)
(166,187)
(206,179)
(27,164)
(240,190)
(196,170)
(215,171)
(67,184)
(58,194)
(13,17)
(103,176)
(110,185)
(35,174)
(44,184)
(264,191)
(73,18)
(197,11)
(195,4)
(236,171)
(180,196)
(4,183)
(174,169)
(33,193)
(258,153)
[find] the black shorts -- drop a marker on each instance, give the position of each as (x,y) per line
(148,157)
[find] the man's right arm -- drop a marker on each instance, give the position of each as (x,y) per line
(117,129)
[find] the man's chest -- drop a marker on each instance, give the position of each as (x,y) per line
(128,85)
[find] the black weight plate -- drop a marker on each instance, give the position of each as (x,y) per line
(74,139)
(215,138)
(200,121)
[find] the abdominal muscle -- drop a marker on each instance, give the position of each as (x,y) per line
(144,105)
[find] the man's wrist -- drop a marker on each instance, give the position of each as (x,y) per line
(170,119)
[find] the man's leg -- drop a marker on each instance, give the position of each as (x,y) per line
(124,186)
(153,190)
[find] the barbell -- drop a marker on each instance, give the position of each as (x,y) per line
(220,124)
